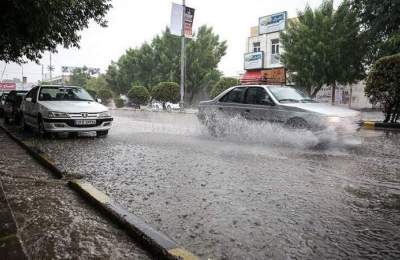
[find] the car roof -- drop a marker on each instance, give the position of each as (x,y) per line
(58,86)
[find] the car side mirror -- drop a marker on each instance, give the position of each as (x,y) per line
(28,99)
(98,100)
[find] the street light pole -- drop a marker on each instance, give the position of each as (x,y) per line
(182,90)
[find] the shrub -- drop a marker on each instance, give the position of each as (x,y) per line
(105,95)
(222,85)
(139,95)
(166,92)
(383,86)
(92,92)
(119,102)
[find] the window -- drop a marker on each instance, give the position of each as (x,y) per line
(236,95)
(258,96)
(256,47)
(275,46)
(64,94)
(32,94)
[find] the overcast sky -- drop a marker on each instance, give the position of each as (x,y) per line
(132,22)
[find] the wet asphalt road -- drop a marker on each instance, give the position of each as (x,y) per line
(259,193)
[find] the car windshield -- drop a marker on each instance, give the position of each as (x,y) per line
(64,94)
(288,94)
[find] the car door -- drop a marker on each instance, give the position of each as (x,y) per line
(259,105)
(232,103)
(28,107)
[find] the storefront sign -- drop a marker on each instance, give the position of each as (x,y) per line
(253,60)
(272,23)
(275,76)
(8,86)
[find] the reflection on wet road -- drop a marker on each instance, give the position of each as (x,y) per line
(261,193)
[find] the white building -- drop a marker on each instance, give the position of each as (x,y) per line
(263,65)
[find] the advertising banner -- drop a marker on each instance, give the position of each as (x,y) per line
(176,20)
(275,76)
(189,14)
(253,60)
(7,86)
(70,69)
(272,23)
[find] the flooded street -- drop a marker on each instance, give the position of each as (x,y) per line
(259,192)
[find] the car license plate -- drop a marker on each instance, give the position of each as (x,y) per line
(85,122)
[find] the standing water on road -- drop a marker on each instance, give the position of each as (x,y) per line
(258,192)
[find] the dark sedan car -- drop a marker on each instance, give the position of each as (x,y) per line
(11,107)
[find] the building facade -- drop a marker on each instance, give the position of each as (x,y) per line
(262,61)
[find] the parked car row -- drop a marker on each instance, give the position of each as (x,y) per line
(55,108)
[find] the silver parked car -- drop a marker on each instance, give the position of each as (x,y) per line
(277,104)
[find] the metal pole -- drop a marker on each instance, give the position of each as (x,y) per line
(42,73)
(183,57)
(22,79)
(50,69)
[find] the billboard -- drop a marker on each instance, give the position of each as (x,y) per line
(254,60)
(275,76)
(70,69)
(176,20)
(7,86)
(272,23)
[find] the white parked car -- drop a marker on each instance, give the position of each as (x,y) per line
(171,106)
(70,109)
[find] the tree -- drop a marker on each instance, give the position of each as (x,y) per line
(222,85)
(159,61)
(139,95)
(383,86)
(97,83)
(324,47)
(166,92)
(79,77)
(381,26)
(28,28)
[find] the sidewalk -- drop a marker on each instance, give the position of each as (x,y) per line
(51,220)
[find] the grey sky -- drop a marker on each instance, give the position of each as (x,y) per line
(132,22)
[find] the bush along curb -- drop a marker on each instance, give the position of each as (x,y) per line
(380,125)
(161,244)
(57,170)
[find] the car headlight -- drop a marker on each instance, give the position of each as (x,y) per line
(333,119)
(55,114)
(105,114)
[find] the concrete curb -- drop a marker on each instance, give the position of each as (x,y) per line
(160,243)
(381,125)
(57,170)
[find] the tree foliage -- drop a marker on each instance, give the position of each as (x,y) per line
(159,61)
(222,85)
(381,26)
(28,28)
(139,95)
(383,86)
(79,77)
(324,47)
(166,92)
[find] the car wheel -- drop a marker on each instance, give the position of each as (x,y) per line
(297,123)
(41,130)
(169,109)
(101,133)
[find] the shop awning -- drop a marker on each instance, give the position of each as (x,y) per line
(251,76)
